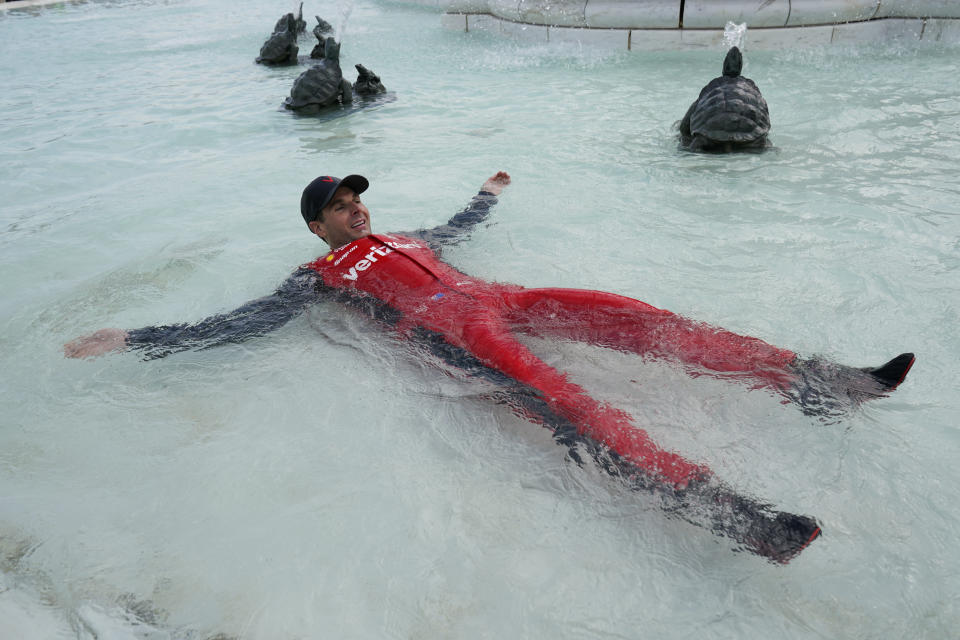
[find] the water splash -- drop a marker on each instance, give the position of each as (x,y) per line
(734,34)
(346,8)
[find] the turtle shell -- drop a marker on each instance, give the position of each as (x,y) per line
(319,85)
(280,47)
(731,109)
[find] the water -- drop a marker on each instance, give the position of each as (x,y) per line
(734,34)
(321,482)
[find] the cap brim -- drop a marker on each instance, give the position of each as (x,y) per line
(358,183)
(354,182)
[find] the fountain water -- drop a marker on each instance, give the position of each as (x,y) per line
(322,481)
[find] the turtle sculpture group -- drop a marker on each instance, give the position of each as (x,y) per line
(729,115)
(281,47)
(322,85)
(321,30)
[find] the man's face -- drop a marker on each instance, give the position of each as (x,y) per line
(344,219)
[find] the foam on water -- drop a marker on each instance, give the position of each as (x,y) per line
(322,481)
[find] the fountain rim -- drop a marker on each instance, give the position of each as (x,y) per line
(696,24)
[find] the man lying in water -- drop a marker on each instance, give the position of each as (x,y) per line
(399,280)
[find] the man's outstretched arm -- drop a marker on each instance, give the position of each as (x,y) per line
(476,212)
(255,318)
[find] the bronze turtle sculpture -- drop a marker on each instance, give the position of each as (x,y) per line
(368,83)
(321,30)
(322,85)
(730,114)
(280,48)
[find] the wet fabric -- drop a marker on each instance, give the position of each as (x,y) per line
(401,281)
(482,318)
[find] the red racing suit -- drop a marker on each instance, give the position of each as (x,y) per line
(472,324)
(480,318)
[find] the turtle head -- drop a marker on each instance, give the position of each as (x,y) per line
(322,27)
(331,49)
(368,83)
(733,63)
(299,24)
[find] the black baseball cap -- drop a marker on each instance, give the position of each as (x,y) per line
(319,193)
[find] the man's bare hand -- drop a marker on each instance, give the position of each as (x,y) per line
(96,344)
(496,183)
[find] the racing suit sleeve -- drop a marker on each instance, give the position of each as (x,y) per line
(253,319)
(459,226)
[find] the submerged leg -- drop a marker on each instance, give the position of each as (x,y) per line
(498,349)
(626,324)
(686,490)
(618,322)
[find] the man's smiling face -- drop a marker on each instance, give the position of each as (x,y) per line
(343,220)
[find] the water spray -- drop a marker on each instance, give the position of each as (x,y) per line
(734,35)
(345,10)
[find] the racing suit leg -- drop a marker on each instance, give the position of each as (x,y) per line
(492,343)
(478,339)
(622,323)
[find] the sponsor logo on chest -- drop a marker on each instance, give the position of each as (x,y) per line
(375,253)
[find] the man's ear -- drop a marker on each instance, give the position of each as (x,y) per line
(317,228)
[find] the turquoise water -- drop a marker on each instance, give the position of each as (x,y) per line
(321,481)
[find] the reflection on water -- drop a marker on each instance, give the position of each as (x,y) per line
(323,480)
